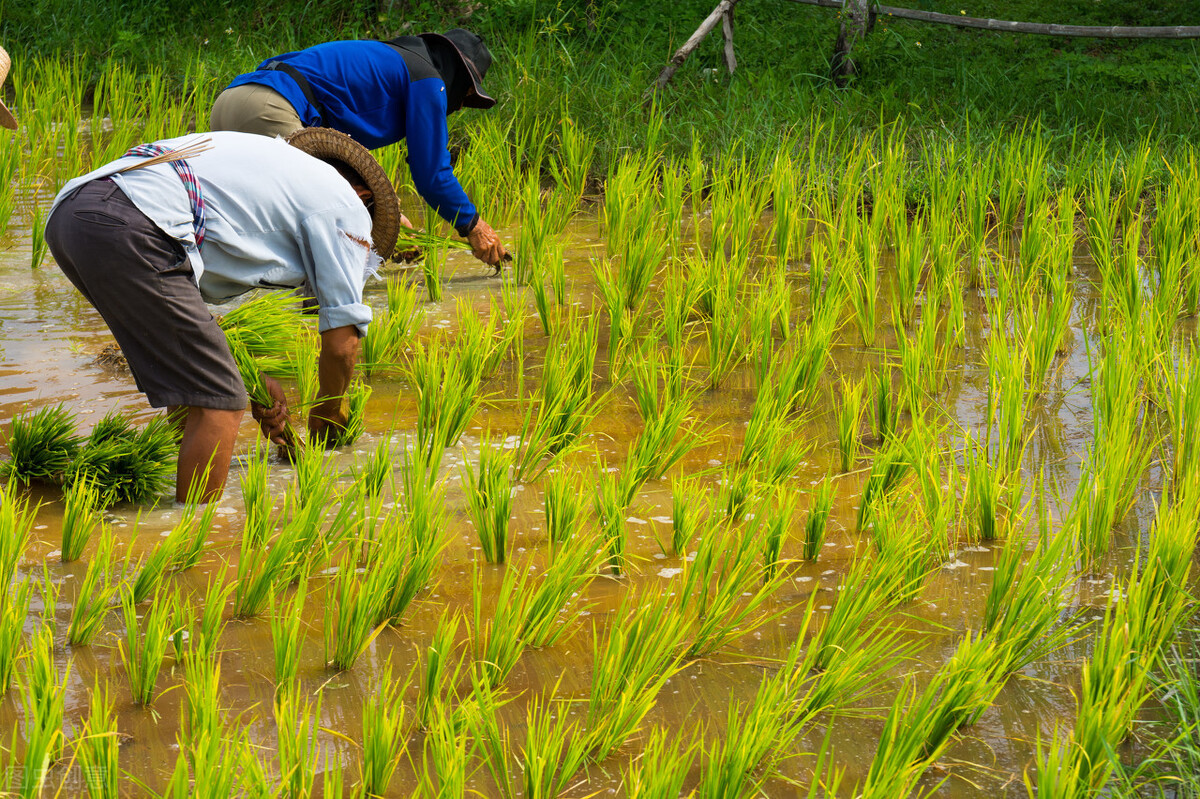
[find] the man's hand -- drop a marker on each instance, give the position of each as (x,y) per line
(486,245)
(411,253)
(339,351)
(272,421)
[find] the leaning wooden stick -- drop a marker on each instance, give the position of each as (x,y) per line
(692,43)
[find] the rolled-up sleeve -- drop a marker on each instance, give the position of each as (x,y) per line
(337,255)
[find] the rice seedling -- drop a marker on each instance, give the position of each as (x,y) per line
(818,519)
(14,608)
(384,740)
(432,266)
(723,332)
(296,725)
(772,446)
(726,590)
(867,588)
(98,749)
(663,442)
(357,395)
(96,594)
(256,495)
(195,523)
(610,501)
(775,519)
(202,699)
(794,374)
(126,464)
(372,475)
(739,489)
(497,628)
(152,569)
(142,652)
(886,412)
(567,402)
(41,445)
(448,395)
(81,515)
(555,748)
(1024,607)
(407,568)
(261,568)
(493,739)
(910,259)
(641,652)
(286,637)
(446,754)
(986,490)
(16,525)
(489,503)
(203,639)
(43,707)
(443,667)
(688,506)
(662,768)
(391,330)
(890,466)
(564,502)
(252,368)
(352,619)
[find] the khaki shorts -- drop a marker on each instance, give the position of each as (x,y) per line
(253,108)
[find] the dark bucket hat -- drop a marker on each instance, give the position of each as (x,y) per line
(475,57)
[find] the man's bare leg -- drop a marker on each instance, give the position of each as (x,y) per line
(206,450)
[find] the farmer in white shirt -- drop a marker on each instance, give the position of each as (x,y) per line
(149,245)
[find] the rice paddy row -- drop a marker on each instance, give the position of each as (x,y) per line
(864,360)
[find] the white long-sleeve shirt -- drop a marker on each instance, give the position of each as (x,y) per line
(275,218)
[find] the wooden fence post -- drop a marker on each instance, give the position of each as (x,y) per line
(856,21)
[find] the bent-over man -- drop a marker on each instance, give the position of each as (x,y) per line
(379,93)
(151,237)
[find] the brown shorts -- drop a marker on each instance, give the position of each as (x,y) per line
(254,108)
(140,281)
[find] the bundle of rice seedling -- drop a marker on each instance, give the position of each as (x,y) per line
(41,445)
(126,464)
(269,325)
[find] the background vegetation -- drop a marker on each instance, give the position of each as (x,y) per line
(592,61)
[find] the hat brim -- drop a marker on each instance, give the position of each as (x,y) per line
(7,119)
(476,98)
(326,143)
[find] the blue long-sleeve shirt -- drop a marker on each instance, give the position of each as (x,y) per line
(367,91)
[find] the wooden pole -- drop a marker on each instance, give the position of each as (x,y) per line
(1039,28)
(710,22)
(856,21)
(727,32)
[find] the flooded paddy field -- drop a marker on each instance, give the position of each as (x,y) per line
(733,482)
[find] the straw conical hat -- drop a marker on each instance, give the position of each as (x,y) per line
(328,144)
(6,117)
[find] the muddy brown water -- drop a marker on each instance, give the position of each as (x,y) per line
(49,340)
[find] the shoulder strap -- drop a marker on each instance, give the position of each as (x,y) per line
(302,82)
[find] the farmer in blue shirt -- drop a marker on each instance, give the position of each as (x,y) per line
(378,93)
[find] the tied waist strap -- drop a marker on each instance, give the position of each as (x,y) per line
(190,184)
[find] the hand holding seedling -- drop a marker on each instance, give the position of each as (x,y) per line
(486,245)
(274,420)
(406,254)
